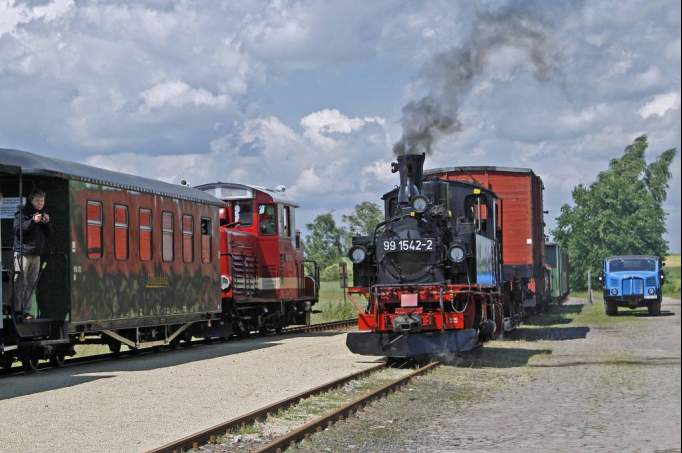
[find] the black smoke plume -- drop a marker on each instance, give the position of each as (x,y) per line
(450,75)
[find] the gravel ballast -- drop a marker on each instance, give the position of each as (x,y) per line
(135,404)
(573,381)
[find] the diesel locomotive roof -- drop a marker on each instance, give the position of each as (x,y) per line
(33,164)
(278,196)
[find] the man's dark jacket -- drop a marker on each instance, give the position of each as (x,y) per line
(35,236)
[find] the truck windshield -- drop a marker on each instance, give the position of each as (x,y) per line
(632,264)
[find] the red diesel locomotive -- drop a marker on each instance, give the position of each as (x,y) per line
(263,268)
(140,262)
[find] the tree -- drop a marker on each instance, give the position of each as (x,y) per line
(620,213)
(363,220)
(325,243)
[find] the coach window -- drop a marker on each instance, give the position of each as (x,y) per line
(243,212)
(267,219)
(121,232)
(187,238)
(145,234)
(94,229)
(206,233)
(167,233)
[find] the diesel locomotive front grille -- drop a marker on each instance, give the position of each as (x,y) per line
(651,281)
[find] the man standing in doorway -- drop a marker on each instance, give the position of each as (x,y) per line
(31,235)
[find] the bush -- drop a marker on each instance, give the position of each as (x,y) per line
(331,272)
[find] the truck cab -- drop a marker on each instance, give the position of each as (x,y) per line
(632,281)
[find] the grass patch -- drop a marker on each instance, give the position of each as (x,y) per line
(594,315)
(671,286)
(332,305)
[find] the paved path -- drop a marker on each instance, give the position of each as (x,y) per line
(134,404)
(562,385)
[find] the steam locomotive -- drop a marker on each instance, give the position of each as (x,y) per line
(432,270)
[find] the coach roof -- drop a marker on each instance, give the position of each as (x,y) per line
(34,164)
(435,171)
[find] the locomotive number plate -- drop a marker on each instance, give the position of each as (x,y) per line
(409,245)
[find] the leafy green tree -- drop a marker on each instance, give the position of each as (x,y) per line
(326,242)
(620,213)
(363,220)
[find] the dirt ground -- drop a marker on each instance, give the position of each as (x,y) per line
(572,380)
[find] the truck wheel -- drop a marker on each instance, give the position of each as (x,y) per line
(611,308)
(654,308)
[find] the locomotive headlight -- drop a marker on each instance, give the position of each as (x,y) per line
(456,254)
(357,254)
(420,203)
(225,282)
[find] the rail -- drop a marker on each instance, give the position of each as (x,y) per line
(211,434)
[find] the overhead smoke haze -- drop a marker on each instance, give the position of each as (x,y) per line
(451,74)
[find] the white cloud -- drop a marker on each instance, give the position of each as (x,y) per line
(660,105)
(14,14)
(177,94)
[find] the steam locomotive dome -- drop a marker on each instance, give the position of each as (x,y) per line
(409,251)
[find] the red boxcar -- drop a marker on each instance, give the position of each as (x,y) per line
(523,236)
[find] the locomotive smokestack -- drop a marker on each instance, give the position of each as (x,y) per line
(411,168)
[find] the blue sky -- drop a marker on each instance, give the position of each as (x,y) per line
(309,94)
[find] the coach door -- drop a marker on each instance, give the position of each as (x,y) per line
(49,297)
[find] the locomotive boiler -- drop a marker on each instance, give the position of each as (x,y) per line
(431,271)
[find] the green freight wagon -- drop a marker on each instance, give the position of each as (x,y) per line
(557,260)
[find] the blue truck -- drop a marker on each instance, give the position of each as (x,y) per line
(632,281)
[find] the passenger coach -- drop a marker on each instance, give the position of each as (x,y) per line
(133,261)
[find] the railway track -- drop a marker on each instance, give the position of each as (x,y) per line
(279,444)
(16,371)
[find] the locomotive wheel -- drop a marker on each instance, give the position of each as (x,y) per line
(30,364)
(6,362)
(57,359)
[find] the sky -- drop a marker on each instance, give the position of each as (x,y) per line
(310,94)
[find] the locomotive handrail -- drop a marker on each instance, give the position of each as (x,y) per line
(316,276)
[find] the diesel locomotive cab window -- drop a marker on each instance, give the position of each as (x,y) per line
(267,219)
(243,213)
(286,221)
(94,229)
(167,233)
(121,232)
(206,232)
(187,238)
(145,234)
